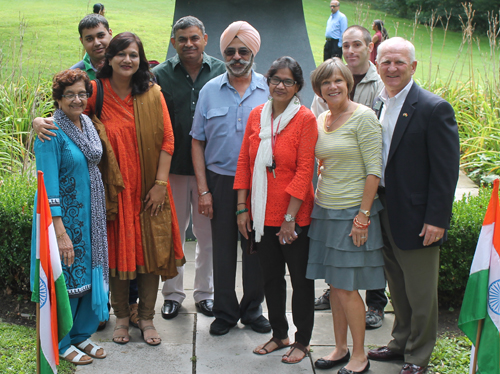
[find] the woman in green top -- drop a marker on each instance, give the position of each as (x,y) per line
(345,233)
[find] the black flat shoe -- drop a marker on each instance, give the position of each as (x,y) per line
(205,306)
(261,324)
(328,364)
(347,371)
(170,309)
(220,327)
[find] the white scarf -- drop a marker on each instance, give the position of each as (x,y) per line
(264,159)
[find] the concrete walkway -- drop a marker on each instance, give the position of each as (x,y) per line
(188,348)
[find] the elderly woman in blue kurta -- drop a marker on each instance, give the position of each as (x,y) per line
(76,198)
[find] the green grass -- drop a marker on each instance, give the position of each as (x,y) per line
(451,355)
(51,38)
(18,351)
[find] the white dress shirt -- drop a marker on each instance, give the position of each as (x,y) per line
(388,118)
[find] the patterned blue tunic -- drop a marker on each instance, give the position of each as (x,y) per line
(67,183)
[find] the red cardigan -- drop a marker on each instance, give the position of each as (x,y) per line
(294,156)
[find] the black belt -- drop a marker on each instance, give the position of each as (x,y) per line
(330,39)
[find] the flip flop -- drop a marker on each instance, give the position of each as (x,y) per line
(94,349)
(75,360)
(278,342)
(294,346)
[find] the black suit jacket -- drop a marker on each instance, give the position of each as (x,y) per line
(422,167)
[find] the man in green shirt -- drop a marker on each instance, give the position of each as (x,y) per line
(181,79)
(95,36)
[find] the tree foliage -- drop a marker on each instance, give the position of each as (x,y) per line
(443,8)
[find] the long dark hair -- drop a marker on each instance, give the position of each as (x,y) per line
(141,80)
(380,26)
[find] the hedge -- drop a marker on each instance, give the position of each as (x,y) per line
(458,251)
(16,209)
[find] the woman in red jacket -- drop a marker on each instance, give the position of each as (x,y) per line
(276,165)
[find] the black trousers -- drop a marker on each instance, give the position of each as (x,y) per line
(225,247)
(332,49)
(376,299)
(273,256)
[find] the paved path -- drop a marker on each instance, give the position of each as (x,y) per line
(188,348)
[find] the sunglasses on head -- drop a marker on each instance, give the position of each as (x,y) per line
(241,51)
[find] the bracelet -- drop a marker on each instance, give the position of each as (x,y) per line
(238,212)
(203,193)
(359,225)
(161,183)
(241,204)
(60,236)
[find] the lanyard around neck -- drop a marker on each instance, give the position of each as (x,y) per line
(274,137)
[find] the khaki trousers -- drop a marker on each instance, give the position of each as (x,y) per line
(412,276)
(147,285)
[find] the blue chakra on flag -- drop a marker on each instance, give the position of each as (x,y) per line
(43,293)
(494,297)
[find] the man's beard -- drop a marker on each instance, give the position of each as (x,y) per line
(240,71)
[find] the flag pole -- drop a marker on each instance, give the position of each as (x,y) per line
(476,350)
(38,338)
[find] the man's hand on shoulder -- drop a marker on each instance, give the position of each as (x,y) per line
(431,234)
(42,127)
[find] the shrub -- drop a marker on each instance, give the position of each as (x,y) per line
(458,251)
(16,215)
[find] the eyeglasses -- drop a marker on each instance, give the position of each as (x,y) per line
(241,51)
(286,82)
(81,96)
(334,6)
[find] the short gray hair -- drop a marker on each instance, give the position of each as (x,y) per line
(185,22)
(396,41)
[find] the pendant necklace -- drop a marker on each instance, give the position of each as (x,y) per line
(336,119)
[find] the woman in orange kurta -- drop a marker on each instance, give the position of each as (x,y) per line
(276,165)
(129,97)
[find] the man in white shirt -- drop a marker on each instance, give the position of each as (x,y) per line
(421,154)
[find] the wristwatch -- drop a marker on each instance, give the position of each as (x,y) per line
(289,218)
(365,212)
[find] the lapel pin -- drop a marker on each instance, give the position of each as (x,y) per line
(405,114)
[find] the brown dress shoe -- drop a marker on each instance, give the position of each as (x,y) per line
(384,354)
(413,369)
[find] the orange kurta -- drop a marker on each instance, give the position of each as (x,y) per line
(126,255)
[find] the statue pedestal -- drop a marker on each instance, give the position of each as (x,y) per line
(281,25)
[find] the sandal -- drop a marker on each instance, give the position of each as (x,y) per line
(294,346)
(121,327)
(93,351)
(134,315)
(146,328)
(278,342)
(75,360)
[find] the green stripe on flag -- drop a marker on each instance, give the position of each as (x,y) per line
(44,365)
(488,359)
(35,295)
(475,304)
(64,315)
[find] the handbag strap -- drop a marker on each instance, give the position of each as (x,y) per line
(99,98)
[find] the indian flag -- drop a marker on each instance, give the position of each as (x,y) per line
(480,314)
(55,318)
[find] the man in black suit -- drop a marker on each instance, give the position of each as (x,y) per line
(420,170)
